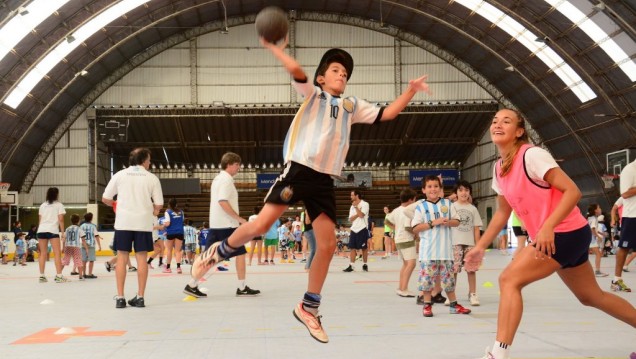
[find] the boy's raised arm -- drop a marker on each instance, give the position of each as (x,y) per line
(415,86)
(291,65)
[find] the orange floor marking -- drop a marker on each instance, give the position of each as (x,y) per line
(48,335)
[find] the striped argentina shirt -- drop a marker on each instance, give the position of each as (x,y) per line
(435,243)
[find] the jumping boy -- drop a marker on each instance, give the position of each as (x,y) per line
(432,221)
(315,149)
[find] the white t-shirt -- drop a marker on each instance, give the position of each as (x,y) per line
(137,192)
(223,190)
(359,224)
(593,222)
(400,221)
(628,180)
(49,222)
(469,218)
(538,163)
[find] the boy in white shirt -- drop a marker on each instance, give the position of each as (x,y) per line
(465,236)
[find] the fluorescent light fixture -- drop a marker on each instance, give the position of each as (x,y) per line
(519,32)
(597,34)
(20,26)
(65,47)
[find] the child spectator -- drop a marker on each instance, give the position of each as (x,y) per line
(285,241)
(190,240)
(75,239)
(399,222)
(593,211)
(271,241)
(465,236)
(20,250)
(4,248)
(32,248)
(298,239)
(92,238)
(432,221)
(159,242)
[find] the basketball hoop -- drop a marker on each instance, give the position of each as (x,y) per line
(4,188)
(608,180)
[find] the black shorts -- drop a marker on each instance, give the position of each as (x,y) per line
(358,240)
(124,241)
(518,231)
(571,248)
(174,236)
(628,233)
(48,235)
(219,234)
(301,183)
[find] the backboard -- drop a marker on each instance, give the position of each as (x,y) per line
(617,160)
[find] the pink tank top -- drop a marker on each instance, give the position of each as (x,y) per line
(532,202)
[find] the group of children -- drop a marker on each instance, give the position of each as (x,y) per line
(23,248)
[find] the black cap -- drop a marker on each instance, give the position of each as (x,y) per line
(335,55)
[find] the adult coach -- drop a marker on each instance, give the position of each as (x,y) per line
(628,225)
(359,217)
(139,199)
(224,220)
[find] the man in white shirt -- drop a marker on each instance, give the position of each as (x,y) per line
(628,225)
(139,199)
(224,220)
(359,217)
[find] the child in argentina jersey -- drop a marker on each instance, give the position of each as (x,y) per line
(75,239)
(190,239)
(92,238)
(436,243)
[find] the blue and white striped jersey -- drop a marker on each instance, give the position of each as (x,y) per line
(435,243)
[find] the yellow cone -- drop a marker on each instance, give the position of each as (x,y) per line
(189,299)
(488,285)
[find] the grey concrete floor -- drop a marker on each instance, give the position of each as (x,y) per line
(361,313)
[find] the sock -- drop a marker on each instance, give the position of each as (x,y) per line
(139,296)
(168,266)
(616,279)
(150,260)
(241,284)
(452,304)
(160,260)
(178,265)
(501,350)
(193,283)
(311,302)
(225,249)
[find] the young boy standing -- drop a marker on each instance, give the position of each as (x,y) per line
(315,149)
(400,222)
(92,238)
(432,221)
(465,236)
(75,239)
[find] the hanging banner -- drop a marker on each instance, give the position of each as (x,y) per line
(353,180)
(265,180)
(450,177)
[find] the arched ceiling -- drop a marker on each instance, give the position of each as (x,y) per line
(577,133)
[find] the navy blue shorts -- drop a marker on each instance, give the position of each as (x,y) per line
(301,183)
(174,236)
(219,234)
(358,240)
(48,235)
(124,241)
(628,233)
(571,248)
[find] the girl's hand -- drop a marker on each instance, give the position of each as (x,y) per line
(544,243)
(473,257)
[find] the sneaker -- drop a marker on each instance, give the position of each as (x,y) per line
(405,293)
(428,310)
(42,279)
(304,260)
(61,279)
(150,266)
(447,302)
(108,266)
(625,269)
(194,292)
(458,309)
(247,292)
(311,322)
(271,261)
(474,299)
(167,270)
(488,354)
(619,286)
(365,268)
(420,300)
(348,269)
(90,276)
(222,269)
(81,278)
(74,273)
(179,271)
(439,298)
(598,273)
(132,269)
(120,302)
(137,302)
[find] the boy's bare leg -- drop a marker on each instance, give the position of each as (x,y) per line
(325,246)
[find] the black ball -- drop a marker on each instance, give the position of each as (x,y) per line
(271,24)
